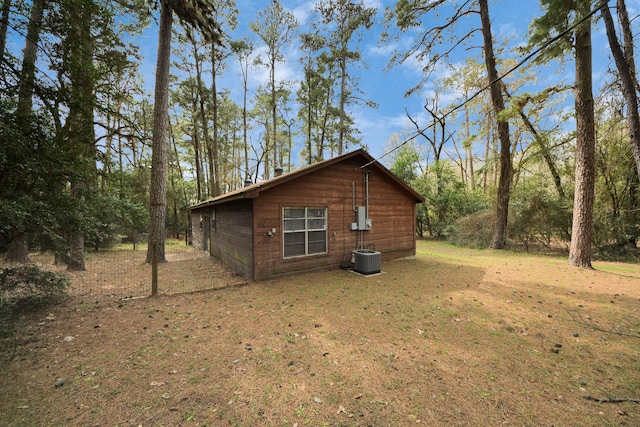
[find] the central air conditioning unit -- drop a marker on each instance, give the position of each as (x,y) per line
(366,261)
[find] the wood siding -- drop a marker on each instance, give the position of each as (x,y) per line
(198,230)
(230,231)
(392,213)
(232,239)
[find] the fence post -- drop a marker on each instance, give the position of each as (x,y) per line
(154,267)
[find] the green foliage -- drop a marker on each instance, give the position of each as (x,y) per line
(31,282)
(539,219)
(475,231)
(447,198)
(199,14)
(110,217)
(116,210)
(616,217)
(33,171)
(328,89)
(406,164)
(557,18)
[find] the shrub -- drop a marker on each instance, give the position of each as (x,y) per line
(475,231)
(446,199)
(31,283)
(539,220)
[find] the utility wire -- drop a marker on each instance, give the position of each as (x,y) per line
(524,60)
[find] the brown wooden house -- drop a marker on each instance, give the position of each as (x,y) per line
(312,218)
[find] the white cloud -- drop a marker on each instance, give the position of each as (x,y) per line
(303,12)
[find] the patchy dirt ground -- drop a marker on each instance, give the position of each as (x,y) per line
(453,337)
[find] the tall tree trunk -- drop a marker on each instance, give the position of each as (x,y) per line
(343,96)
(17,250)
(582,227)
(627,36)
(627,33)
(274,113)
(469,150)
(158,200)
(506,168)
(198,102)
(81,131)
(542,143)
(212,173)
(4,26)
(309,113)
(626,65)
(322,140)
(204,123)
(195,137)
(633,205)
(244,126)
(215,148)
(267,147)
(27,77)
(487,152)
(76,249)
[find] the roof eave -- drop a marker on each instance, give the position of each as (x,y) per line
(253,191)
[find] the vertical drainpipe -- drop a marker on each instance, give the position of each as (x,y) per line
(353,196)
(366,194)
(366,209)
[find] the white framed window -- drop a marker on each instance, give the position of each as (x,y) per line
(304,231)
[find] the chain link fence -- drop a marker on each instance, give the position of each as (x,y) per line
(118,274)
(122,273)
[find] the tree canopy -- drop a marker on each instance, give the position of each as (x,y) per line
(93,153)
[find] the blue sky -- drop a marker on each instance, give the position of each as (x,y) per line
(385,126)
(378,127)
(510,20)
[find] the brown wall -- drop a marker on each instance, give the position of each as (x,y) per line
(391,210)
(230,231)
(197,230)
(232,239)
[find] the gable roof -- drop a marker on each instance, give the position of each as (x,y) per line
(254,190)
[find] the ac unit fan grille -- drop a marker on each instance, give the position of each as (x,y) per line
(366,261)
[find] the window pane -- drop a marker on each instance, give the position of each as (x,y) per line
(293,224)
(316,224)
(304,231)
(317,242)
(293,213)
(293,244)
(315,213)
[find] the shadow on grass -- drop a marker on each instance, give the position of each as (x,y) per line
(14,315)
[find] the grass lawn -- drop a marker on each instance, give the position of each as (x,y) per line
(454,337)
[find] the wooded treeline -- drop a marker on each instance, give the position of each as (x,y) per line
(89,155)
(520,168)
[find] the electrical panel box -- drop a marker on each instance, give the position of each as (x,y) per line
(363,223)
(361,217)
